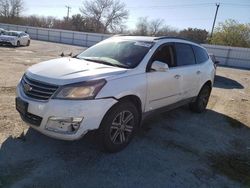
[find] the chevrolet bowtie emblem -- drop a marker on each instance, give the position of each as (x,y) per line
(27,87)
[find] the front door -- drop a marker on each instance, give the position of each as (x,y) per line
(163,87)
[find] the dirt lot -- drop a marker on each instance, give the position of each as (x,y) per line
(173,149)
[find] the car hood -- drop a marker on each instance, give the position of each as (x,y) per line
(69,70)
(6,37)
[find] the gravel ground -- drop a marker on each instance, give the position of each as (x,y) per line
(173,149)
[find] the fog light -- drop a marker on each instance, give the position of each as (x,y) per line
(75,126)
(68,125)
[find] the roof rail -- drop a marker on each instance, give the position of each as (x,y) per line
(181,38)
(119,35)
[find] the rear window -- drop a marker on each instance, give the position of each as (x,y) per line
(184,54)
(200,54)
(10,33)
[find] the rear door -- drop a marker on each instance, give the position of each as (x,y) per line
(23,39)
(188,69)
(202,59)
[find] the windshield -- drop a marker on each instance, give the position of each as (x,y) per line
(123,53)
(9,33)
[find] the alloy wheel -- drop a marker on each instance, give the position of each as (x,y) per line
(122,127)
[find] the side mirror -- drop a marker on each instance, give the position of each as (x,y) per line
(159,66)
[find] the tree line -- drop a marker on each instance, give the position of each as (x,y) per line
(110,16)
(100,16)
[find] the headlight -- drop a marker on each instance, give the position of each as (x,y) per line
(83,90)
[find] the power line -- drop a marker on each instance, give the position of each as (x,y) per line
(162,6)
(236,4)
(174,6)
(189,6)
(176,20)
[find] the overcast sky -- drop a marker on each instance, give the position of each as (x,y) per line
(176,13)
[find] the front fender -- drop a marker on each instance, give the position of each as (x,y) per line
(131,85)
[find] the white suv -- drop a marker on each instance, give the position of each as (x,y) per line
(112,86)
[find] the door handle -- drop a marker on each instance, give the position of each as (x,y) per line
(177,76)
(198,72)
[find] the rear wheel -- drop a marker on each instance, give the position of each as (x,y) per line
(18,44)
(118,126)
(200,104)
(28,43)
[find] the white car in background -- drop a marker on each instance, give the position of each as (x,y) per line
(14,38)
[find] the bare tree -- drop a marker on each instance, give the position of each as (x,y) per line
(105,14)
(4,8)
(142,26)
(16,7)
(155,26)
(168,31)
(11,8)
(77,22)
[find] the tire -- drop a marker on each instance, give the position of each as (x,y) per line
(200,103)
(118,127)
(18,44)
(28,43)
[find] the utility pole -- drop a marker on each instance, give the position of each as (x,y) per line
(68,7)
(215,16)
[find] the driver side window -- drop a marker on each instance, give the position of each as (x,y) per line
(165,54)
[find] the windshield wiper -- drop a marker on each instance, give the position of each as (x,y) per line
(105,62)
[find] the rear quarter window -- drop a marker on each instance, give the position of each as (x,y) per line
(200,54)
(184,54)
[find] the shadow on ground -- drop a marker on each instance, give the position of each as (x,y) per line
(7,46)
(173,149)
(226,83)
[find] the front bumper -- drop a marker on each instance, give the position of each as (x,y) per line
(90,111)
(13,43)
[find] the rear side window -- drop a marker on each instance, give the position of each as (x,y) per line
(200,54)
(184,54)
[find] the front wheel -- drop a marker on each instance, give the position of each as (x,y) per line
(118,126)
(200,104)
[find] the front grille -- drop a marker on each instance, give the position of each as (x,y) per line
(36,89)
(31,119)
